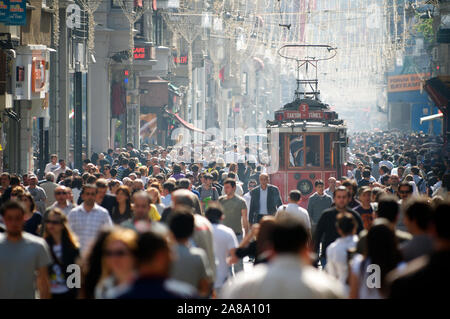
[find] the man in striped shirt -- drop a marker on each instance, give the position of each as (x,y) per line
(87,219)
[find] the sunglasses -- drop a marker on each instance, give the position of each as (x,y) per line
(60,193)
(116,253)
(404,192)
(54,222)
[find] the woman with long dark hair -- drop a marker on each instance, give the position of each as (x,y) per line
(382,257)
(92,266)
(33,218)
(64,249)
(122,210)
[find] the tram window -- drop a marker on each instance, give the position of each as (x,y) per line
(327,150)
(281,153)
(296,150)
(312,150)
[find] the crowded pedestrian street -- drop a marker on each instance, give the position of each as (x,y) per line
(224,150)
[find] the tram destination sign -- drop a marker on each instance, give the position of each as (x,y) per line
(296,115)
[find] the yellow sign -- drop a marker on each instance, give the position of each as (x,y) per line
(406,82)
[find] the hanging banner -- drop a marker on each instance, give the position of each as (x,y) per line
(17,12)
(3,10)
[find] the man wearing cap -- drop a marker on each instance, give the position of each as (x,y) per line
(37,192)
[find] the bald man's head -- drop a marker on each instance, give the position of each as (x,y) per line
(184,197)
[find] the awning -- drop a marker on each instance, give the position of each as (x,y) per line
(438,88)
(431,117)
(187,125)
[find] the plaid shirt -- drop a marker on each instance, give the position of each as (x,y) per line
(86,225)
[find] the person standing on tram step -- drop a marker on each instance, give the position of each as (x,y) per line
(265,200)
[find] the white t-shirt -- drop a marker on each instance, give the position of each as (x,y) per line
(57,280)
(224,240)
(50,167)
(364,291)
(295,211)
(337,258)
(247,197)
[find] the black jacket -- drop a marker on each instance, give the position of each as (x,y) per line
(109,201)
(426,277)
(273,202)
(326,232)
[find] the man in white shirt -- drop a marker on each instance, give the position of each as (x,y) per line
(247,197)
(224,241)
(62,168)
(288,275)
(292,209)
(337,252)
(53,165)
(89,218)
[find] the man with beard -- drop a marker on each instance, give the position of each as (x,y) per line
(394,182)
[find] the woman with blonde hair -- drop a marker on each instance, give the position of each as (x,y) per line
(16,192)
(155,196)
(118,263)
(64,249)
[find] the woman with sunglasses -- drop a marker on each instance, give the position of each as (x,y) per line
(118,263)
(122,210)
(33,218)
(64,249)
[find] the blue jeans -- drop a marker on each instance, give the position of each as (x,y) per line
(239,266)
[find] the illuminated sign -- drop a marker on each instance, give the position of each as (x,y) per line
(142,53)
(180,60)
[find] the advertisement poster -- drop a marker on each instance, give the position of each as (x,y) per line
(17,12)
(4,11)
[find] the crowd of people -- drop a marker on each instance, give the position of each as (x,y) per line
(145,224)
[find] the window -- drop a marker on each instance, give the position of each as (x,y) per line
(296,150)
(313,150)
(304,150)
(327,150)
(139,26)
(115,4)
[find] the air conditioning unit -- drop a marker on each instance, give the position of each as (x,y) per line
(6,101)
(435,54)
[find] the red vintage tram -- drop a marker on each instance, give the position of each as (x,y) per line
(307,140)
